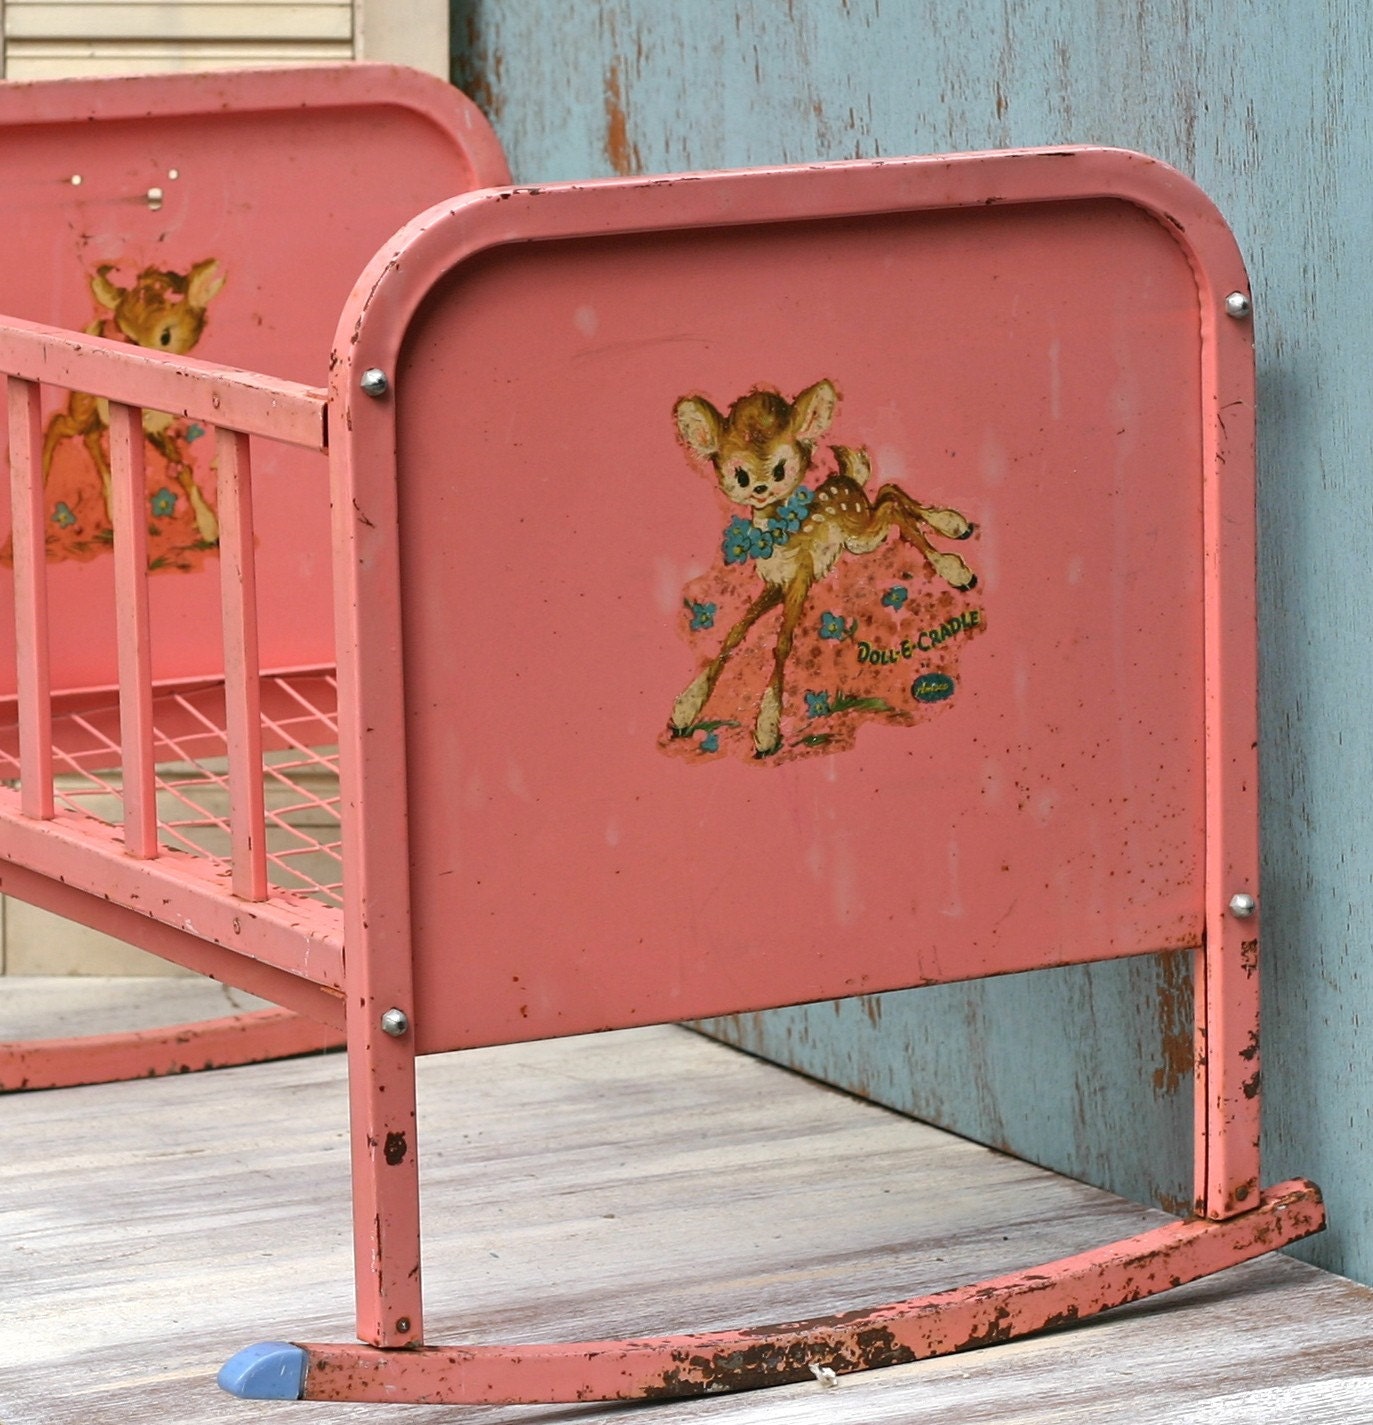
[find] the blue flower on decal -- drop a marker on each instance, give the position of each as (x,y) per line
(163,502)
(711,741)
(896,596)
(833,626)
(738,542)
(62,515)
(818,705)
(787,517)
(702,615)
(195,431)
(761,540)
(744,541)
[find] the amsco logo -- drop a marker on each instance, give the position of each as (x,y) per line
(932,688)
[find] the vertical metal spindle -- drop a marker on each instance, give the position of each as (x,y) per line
(242,678)
(128,501)
(30,599)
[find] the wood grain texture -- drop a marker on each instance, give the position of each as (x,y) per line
(1269,109)
(618,1183)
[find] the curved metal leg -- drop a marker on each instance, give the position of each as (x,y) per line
(174,1049)
(1039,1299)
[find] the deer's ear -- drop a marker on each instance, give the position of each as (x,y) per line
(700,425)
(105,291)
(202,282)
(813,410)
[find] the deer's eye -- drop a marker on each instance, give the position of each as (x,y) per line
(165,336)
(779,471)
(741,477)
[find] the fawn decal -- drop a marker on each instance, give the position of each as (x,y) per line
(877,635)
(163,311)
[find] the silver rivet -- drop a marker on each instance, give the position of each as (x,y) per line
(1238,305)
(155,199)
(395,1022)
(1242,906)
(373,381)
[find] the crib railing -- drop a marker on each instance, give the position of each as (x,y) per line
(235,405)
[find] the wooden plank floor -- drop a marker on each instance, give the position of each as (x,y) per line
(622,1184)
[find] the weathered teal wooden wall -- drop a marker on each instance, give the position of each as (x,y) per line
(1269,108)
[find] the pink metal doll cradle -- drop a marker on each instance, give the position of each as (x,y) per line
(722,591)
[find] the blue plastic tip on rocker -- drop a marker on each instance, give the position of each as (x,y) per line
(271,1370)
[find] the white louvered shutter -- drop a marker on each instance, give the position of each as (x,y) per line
(48,39)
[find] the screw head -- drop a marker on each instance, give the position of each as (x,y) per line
(1238,305)
(1242,906)
(402,1323)
(373,381)
(395,1022)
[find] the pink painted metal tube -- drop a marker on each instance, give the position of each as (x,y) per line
(985,1313)
(381,1077)
(1227,1123)
(299,937)
(183,385)
(150,1053)
(30,600)
(242,684)
(134,634)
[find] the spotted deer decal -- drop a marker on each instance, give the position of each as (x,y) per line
(162,310)
(760,452)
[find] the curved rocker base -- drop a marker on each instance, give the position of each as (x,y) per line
(173,1049)
(1056,1294)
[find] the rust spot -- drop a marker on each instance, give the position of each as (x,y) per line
(1249,956)
(1175,1024)
(1251,1085)
(395,1150)
(479,71)
(774,1362)
(1176,1206)
(622,155)
(1062,1318)
(998,1329)
(1250,1052)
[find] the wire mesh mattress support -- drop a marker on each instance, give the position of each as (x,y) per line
(299,775)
